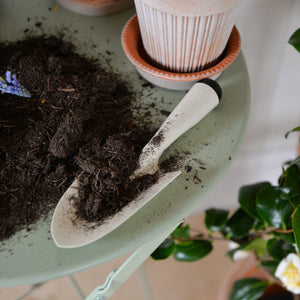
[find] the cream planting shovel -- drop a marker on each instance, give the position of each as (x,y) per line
(70,232)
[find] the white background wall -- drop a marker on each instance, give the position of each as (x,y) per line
(274,70)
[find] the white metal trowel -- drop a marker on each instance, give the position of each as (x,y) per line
(70,232)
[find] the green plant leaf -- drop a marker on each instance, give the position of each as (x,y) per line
(164,250)
(247,198)
(192,251)
(238,226)
(296,226)
(181,232)
(295,161)
(295,40)
(287,237)
(285,166)
(247,289)
(292,130)
(291,185)
(295,201)
(259,225)
(279,249)
(270,264)
(215,218)
(258,245)
(275,211)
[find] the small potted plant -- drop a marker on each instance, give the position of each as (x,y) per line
(185,36)
(266,225)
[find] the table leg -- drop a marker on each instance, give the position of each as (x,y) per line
(117,277)
(144,282)
(30,290)
(76,287)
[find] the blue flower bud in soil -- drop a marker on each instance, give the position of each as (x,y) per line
(11,85)
(8,76)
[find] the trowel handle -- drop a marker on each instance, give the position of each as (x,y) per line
(202,98)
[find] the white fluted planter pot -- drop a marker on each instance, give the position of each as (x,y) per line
(186,35)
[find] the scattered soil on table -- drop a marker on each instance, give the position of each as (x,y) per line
(78,121)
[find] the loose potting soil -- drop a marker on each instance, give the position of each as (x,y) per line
(77,122)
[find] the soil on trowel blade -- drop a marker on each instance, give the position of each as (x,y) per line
(77,122)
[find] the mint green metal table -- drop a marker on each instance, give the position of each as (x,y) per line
(31,257)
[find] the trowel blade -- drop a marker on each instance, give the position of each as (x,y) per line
(68,231)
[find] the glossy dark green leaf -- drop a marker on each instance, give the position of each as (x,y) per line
(257,245)
(295,40)
(287,237)
(295,161)
(259,225)
(164,250)
(247,198)
(181,232)
(192,251)
(238,226)
(296,226)
(279,249)
(215,218)
(247,289)
(272,209)
(270,264)
(295,201)
(291,185)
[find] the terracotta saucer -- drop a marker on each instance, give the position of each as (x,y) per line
(133,48)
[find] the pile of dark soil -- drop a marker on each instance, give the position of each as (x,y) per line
(78,121)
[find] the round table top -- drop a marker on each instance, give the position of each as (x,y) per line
(31,257)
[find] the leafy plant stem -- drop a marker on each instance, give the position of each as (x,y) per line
(209,237)
(270,231)
(284,231)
